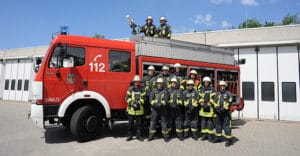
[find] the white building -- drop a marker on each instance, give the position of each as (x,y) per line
(269,78)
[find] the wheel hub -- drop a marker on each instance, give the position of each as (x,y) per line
(91,124)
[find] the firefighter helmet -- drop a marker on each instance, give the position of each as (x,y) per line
(136,78)
(151,68)
(162,18)
(174,79)
(222,83)
(206,79)
(193,72)
(177,65)
(149,18)
(159,80)
(165,68)
(190,82)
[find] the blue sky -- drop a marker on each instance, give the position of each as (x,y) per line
(27,23)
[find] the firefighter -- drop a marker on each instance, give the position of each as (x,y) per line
(223,120)
(135,109)
(164,30)
(194,76)
(146,81)
(207,95)
(158,100)
(149,28)
(178,75)
(164,75)
(190,98)
(175,108)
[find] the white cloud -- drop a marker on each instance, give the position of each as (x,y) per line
(226,24)
(250,2)
(203,19)
(217,2)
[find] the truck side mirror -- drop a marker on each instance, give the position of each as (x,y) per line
(38,63)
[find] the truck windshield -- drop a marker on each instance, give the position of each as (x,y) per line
(78,55)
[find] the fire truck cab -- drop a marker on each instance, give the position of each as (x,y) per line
(82,81)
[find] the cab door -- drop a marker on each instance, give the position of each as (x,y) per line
(121,69)
(65,73)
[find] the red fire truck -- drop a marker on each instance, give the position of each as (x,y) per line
(82,81)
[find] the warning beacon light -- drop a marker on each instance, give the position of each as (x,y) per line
(64,30)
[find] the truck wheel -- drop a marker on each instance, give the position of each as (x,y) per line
(85,123)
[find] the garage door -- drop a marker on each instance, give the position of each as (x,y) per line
(1,80)
(26,79)
(19,80)
(248,82)
(7,82)
(13,80)
(289,95)
(267,78)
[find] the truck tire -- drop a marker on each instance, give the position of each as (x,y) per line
(85,123)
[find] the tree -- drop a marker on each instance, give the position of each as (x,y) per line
(288,19)
(98,36)
(250,23)
(269,24)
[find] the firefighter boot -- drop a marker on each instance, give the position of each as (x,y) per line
(166,137)
(186,135)
(140,138)
(217,139)
(204,137)
(180,136)
(195,135)
(229,142)
(151,137)
(129,138)
(210,137)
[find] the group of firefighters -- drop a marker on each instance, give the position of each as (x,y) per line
(150,30)
(179,104)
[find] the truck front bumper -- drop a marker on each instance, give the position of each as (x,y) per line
(37,115)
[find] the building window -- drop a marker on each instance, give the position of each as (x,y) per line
(289,92)
(119,61)
(248,90)
(77,54)
(13,85)
(267,91)
(26,85)
(6,86)
(19,85)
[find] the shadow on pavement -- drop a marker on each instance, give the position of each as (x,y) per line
(237,123)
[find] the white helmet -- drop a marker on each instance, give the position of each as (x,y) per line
(151,68)
(206,79)
(177,65)
(174,79)
(162,18)
(159,80)
(222,83)
(137,78)
(190,82)
(149,17)
(165,68)
(193,72)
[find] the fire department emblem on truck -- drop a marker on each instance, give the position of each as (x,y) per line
(71,78)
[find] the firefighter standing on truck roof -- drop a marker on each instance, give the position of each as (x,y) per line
(207,96)
(175,108)
(158,101)
(135,110)
(164,30)
(149,28)
(179,76)
(146,81)
(222,109)
(190,98)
